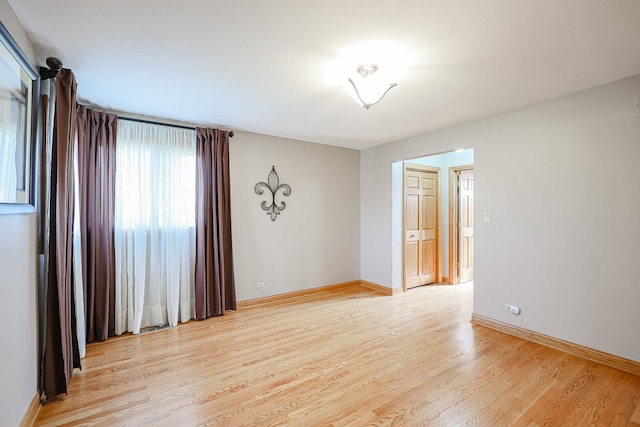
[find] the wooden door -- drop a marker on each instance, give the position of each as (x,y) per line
(421,234)
(465,244)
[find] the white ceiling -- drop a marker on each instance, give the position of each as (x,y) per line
(269,66)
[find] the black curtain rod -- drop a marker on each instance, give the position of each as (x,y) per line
(163,124)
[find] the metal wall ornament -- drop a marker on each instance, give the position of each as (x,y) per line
(273,185)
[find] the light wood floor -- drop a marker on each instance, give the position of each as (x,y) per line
(347,357)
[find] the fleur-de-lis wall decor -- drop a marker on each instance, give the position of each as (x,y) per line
(273,185)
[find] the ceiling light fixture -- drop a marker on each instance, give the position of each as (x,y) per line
(369,88)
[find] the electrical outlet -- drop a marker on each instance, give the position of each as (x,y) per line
(259,285)
(486,217)
(512,308)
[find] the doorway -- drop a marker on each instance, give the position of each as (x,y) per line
(443,161)
(461,188)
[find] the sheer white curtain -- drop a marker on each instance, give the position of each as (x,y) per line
(154,225)
(78,285)
(9,110)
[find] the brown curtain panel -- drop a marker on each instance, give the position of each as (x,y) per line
(214,279)
(61,347)
(97,180)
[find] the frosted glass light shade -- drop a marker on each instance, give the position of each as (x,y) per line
(367,88)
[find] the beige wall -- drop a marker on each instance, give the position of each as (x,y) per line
(560,179)
(316,240)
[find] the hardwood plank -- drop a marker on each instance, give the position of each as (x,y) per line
(32,412)
(265,300)
(617,362)
(346,356)
(379,288)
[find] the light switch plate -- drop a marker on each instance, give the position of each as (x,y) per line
(486,217)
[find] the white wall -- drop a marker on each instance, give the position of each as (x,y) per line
(18,316)
(315,240)
(560,179)
(11,23)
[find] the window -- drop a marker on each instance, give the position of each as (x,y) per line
(155,176)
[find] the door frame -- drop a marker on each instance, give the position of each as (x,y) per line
(437,170)
(454,226)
